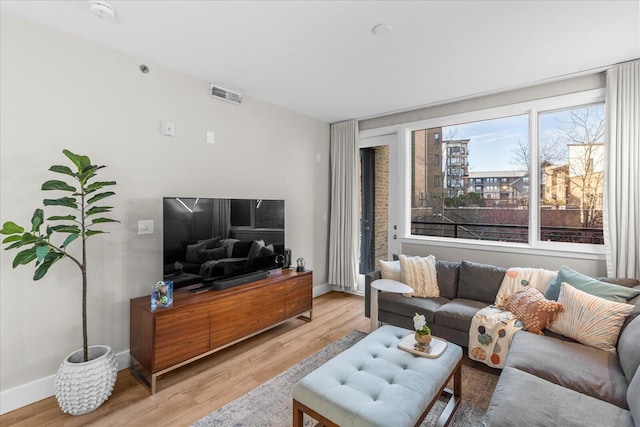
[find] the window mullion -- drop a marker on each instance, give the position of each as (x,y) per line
(534,178)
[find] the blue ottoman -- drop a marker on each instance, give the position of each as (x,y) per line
(374,383)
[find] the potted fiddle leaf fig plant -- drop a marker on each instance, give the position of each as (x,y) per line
(86,377)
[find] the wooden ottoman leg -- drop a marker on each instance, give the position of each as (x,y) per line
(455,397)
(457,382)
(297,414)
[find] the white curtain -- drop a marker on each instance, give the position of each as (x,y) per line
(344,231)
(622,179)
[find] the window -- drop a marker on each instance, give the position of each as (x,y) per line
(475,152)
(488,179)
(572,161)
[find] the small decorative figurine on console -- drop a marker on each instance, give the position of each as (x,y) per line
(177,268)
(161,294)
(300,264)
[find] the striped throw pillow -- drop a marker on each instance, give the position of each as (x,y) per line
(420,274)
(589,319)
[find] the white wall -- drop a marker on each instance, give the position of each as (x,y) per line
(60,92)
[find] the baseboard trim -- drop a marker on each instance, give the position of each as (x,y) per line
(32,392)
(321,289)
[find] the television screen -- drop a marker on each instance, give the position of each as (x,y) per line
(205,239)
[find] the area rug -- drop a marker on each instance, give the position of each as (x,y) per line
(270,403)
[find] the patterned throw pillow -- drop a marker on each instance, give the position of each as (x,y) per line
(519,278)
(589,319)
(420,274)
(532,309)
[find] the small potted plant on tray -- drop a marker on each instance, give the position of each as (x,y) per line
(423,332)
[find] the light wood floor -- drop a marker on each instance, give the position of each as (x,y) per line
(191,392)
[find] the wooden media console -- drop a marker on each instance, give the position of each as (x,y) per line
(199,324)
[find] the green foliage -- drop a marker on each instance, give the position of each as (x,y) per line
(41,247)
(44,251)
(424,331)
(465,200)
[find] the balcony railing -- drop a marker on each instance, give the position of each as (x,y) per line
(506,232)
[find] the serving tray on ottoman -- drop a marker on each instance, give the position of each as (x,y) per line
(375,383)
(435,349)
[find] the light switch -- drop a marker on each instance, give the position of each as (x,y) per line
(168,128)
(211,137)
(145,226)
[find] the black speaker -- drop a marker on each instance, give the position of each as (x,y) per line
(287,258)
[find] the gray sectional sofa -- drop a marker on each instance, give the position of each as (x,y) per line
(550,382)
(547,380)
(465,288)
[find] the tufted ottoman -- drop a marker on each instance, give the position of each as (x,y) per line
(374,383)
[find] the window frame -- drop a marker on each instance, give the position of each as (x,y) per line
(533,109)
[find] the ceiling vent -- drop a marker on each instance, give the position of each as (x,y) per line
(225,94)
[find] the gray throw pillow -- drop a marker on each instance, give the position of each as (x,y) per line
(211,243)
(193,254)
(480,282)
(255,248)
(265,251)
(213,254)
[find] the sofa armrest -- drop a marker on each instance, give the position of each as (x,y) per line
(368,278)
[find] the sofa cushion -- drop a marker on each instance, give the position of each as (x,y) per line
(212,254)
(633,397)
(448,273)
(390,270)
(458,313)
(479,282)
(589,319)
(584,369)
(629,349)
(406,306)
(635,313)
(522,399)
(532,309)
(589,285)
(420,274)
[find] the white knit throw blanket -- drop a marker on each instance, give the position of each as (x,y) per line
(492,328)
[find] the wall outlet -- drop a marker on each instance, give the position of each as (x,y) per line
(168,128)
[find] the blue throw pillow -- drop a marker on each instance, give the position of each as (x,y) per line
(592,286)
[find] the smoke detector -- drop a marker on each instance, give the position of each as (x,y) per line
(225,94)
(102,10)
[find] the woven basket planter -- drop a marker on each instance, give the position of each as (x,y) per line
(82,387)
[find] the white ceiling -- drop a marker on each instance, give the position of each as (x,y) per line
(321,59)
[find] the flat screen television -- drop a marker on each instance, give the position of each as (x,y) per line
(209,239)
